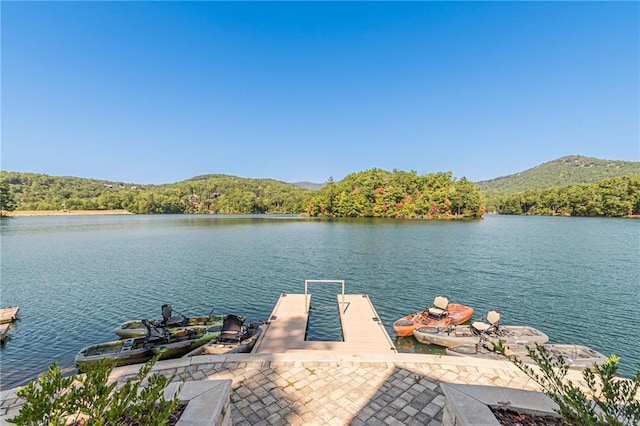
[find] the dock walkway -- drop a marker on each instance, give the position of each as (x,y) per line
(8,314)
(362,329)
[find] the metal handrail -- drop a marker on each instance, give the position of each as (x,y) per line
(306,285)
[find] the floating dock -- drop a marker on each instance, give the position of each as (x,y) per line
(362,329)
(8,314)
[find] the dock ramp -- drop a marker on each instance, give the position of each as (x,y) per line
(362,329)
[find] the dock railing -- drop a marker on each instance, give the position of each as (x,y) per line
(306,288)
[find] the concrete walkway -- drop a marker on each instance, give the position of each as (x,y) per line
(326,388)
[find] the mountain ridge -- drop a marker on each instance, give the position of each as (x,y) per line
(373,192)
(563,171)
(559,172)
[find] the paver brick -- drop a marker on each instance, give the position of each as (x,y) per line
(410,410)
(273,417)
(257,405)
(402,416)
(398,403)
(392,421)
(375,421)
(431,410)
(273,408)
(339,393)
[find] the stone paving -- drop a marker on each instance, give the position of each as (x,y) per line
(323,388)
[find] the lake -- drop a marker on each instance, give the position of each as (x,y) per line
(76,278)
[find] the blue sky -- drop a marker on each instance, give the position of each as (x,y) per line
(159,92)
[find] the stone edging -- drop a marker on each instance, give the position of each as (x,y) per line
(468,405)
(208,402)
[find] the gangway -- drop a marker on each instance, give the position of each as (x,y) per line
(362,329)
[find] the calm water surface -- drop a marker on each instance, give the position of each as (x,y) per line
(76,278)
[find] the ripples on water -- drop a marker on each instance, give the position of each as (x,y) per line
(76,278)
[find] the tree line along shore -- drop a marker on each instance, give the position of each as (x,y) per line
(372,193)
(25,213)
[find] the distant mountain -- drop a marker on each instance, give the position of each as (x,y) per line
(309,185)
(569,170)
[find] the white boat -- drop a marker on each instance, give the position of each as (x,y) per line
(464,335)
(478,332)
(575,356)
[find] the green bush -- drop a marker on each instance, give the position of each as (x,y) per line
(611,400)
(54,399)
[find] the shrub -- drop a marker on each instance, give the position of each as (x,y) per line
(54,399)
(611,400)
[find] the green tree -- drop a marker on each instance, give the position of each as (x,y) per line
(7,201)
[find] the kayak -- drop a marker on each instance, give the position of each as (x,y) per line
(136,328)
(576,357)
(222,345)
(442,313)
(137,350)
(457,335)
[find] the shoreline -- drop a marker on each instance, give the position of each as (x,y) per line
(33,213)
(27,213)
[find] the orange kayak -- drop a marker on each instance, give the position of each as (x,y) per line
(455,314)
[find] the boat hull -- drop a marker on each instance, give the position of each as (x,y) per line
(138,350)
(463,335)
(120,352)
(136,329)
(576,357)
(178,349)
(457,314)
(222,347)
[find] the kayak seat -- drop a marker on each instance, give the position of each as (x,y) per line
(439,308)
(178,321)
(493,319)
(154,333)
(232,327)
(170,321)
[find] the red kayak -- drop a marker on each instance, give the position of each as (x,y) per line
(441,313)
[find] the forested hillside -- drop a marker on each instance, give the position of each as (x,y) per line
(32,191)
(373,193)
(618,197)
(379,193)
(202,194)
(558,187)
(564,171)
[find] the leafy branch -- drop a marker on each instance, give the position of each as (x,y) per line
(611,400)
(90,399)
